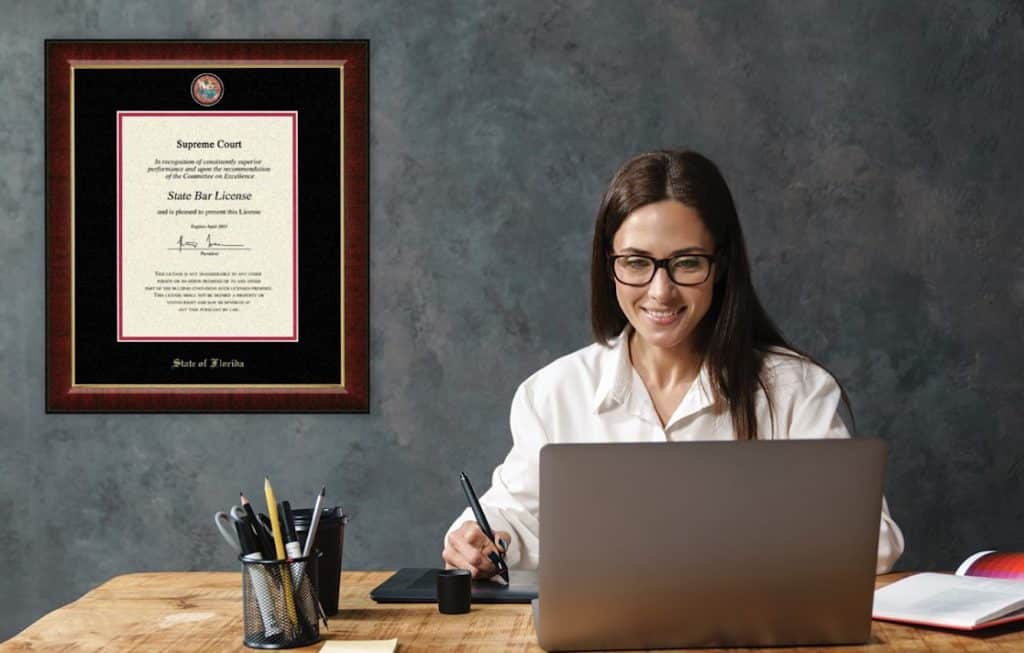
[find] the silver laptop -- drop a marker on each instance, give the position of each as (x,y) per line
(708,544)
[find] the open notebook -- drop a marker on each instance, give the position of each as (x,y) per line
(986,590)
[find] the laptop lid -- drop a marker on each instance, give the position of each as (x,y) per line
(750,543)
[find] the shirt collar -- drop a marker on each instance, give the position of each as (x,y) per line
(696,400)
(617,380)
(617,376)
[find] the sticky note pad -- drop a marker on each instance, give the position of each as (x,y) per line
(362,646)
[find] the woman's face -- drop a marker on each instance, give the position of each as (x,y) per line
(663,313)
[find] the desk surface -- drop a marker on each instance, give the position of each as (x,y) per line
(201,611)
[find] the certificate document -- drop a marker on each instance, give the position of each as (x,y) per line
(207,226)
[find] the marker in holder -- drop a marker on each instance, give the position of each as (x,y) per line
(268,618)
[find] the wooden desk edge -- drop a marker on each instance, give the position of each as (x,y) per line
(144,610)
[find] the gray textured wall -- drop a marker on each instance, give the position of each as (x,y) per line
(874,152)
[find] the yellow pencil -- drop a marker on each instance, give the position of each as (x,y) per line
(275,527)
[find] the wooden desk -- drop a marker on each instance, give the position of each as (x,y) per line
(202,611)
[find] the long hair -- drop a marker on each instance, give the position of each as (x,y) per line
(736,333)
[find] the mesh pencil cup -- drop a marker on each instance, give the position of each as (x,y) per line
(279,602)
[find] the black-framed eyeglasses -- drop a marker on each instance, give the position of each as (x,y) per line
(682,269)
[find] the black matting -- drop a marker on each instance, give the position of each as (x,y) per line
(315,94)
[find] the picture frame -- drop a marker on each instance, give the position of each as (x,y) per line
(207,209)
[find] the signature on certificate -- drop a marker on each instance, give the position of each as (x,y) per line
(183,244)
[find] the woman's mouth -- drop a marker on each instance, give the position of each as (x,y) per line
(662,316)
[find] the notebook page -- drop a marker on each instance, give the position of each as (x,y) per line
(958,601)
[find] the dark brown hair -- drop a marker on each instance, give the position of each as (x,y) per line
(736,332)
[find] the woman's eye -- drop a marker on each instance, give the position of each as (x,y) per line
(637,263)
(687,264)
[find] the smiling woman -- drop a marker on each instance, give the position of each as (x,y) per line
(683,351)
(680,201)
(666,308)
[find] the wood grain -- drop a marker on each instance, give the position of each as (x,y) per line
(202,611)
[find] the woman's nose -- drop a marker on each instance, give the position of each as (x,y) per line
(661,286)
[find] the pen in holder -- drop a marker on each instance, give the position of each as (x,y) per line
(277,615)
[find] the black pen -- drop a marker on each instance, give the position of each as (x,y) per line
(245,538)
(264,540)
(289,531)
(481,520)
(268,529)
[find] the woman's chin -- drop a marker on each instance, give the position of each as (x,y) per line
(663,337)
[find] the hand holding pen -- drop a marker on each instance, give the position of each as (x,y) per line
(473,546)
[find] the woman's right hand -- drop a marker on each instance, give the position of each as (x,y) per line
(467,548)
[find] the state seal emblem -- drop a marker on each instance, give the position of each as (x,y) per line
(207,89)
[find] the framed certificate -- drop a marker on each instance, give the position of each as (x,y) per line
(207,210)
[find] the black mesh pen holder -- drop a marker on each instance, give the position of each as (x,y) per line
(280,603)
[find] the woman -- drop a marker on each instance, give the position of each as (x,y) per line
(683,351)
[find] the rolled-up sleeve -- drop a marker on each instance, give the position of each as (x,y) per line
(512,502)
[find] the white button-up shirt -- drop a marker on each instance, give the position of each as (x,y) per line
(595,395)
